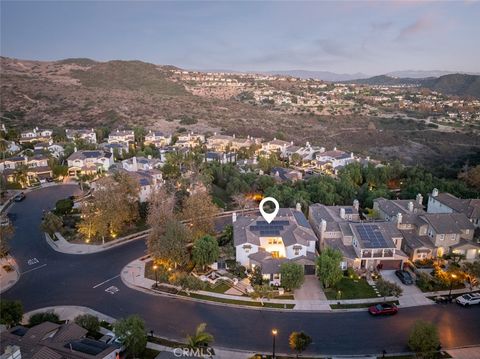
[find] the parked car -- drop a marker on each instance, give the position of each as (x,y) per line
(383,309)
(107,338)
(49,179)
(19,197)
(404,276)
(469,299)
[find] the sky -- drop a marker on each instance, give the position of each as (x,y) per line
(372,37)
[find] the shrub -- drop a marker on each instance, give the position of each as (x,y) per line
(89,322)
(41,317)
(11,312)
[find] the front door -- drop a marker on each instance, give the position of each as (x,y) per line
(363,264)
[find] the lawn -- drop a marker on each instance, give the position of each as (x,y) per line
(351,289)
(358,305)
(238,302)
(219,287)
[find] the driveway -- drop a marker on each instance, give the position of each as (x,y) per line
(412,295)
(310,295)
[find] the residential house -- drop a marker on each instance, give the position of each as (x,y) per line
(157,138)
(120,148)
(35,169)
(54,149)
(336,158)
(88,135)
(281,174)
(189,140)
(36,135)
(364,245)
(442,202)
(275,146)
(89,162)
(54,341)
(121,136)
(221,157)
(288,238)
(135,164)
(224,142)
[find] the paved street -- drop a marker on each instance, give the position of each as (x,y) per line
(51,278)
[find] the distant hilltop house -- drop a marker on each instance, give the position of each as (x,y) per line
(121,136)
(288,238)
(190,140)
(54,341)
(26,169)
(119,148)
(36,135)
(89,162)
(55,149)
(88,135)
(224,142)
(275,146)
(281,174)
(336,158)
(157,138)
(220,157)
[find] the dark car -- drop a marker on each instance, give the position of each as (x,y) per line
(404,276)
(19,197)
(383,309)
(49,179)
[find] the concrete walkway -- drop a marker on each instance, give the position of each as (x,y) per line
(68,312)
(63,246)
(465,353)
(412,295)
(8,279)
(310,295)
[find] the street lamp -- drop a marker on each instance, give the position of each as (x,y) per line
(155,267)
(274,335)
(453,276)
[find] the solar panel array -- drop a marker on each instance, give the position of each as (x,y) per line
(371,235)
(269,229)
(348,210)
(301,220)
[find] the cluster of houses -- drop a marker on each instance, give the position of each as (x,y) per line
(404,231)
(101,157)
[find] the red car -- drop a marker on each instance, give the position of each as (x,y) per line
(383,309)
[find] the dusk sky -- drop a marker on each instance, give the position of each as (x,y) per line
(348,37)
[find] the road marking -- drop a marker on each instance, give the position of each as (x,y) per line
(112,289)
(33,261)
(30,270)
(105,281)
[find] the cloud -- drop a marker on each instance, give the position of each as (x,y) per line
(420,25)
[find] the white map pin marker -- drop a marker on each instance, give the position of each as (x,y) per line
(269,217)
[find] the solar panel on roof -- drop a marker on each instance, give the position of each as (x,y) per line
(301,220)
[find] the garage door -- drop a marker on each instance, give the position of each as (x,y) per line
(309,269)
(391,264)
(471,253)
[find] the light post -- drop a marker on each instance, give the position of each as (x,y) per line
(155,267)
(453,276)
(274,335)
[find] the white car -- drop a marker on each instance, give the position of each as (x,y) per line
(469,299)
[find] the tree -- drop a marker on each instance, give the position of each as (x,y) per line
(387,289)
(292,275)
(11,312)
(262,292)
(170,247)
(200,338)
(131,331)
(328,264)
(299,341)
(424,339)
(41,317)
(199,210)
(472,176)
(6,233)
(88,321)
(189,283)
(242,201)
(227,236)
(257,277)
(205,251)
(472,273)
(160,212)
(64,206)
(51,223)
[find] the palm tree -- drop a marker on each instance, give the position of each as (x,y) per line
(201,338)
(21,175)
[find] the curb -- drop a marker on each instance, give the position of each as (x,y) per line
(10,285)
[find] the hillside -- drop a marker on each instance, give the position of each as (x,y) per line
(452,84)
(87,93)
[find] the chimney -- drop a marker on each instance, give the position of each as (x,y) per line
(356,204)
(351,154)
(435,192)
(399,218)
(75,149)
(335,148)
(342,213)
(323,227)
(233,136)
(419,199)
(298,207)
(234,217)
(291,143)
(149,157)
(410,206)
(134,163)
(307,144)
(274,138)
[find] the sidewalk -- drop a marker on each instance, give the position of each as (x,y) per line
(63,246)
(465,353)
(68,312)
(8,279)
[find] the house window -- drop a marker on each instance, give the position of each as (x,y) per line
(467,231)
(343,265)
(441,237)
(275,254)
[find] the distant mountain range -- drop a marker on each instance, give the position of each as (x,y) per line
(452,84)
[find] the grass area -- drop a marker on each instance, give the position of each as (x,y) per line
(238,302)
(167,343)
(358,305)
(285,296)
(351,289)
(219,287)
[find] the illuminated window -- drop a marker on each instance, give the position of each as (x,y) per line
(275,254)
